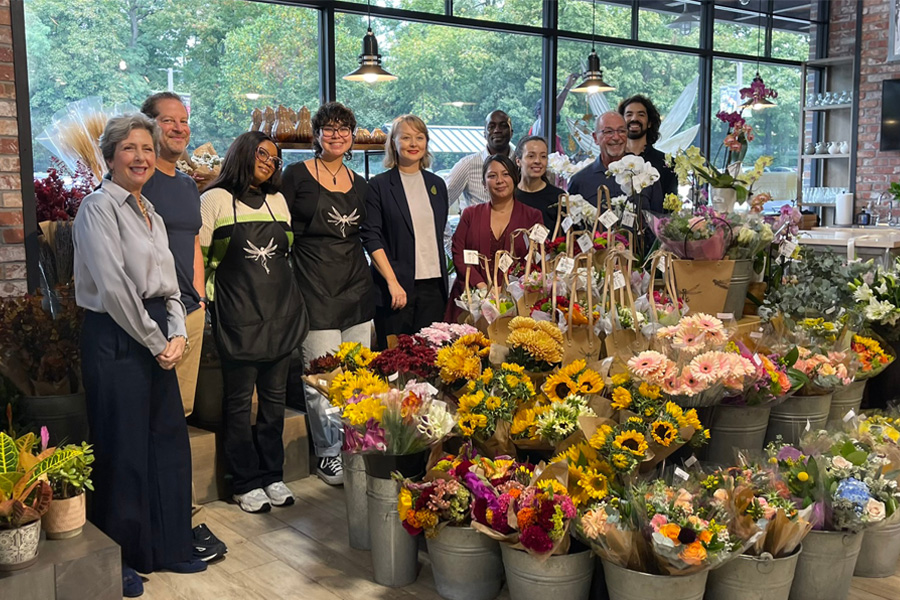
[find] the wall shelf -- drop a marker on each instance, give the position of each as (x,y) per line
(828,107)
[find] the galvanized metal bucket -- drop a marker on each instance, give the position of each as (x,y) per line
(880,552)
(789,419)
(737,289)
(826,565)
(467,564)
(357,503)
(844,400)
(742,427)
(566,576)
(625,584)
(394,551)
(753,578)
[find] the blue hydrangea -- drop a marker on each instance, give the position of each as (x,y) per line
(853,490)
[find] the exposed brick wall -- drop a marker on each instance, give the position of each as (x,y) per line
(874,169)
(12,248)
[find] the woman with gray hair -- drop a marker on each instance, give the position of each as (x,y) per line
(133,336)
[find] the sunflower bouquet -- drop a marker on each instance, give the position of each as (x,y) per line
(879,429)
(464,359)
(590,475)
(535,345)
(348,385)
(872,356)
(354,355)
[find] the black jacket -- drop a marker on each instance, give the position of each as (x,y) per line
(388,226)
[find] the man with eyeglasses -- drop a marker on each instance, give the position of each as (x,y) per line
(611,135)
(465,179)
(643,122)
(176,199)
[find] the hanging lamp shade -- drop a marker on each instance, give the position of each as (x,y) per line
(758,102)
(593,78)
(685,22)
(370,69)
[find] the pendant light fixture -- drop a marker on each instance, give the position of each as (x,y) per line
(684,23)
(593,77)
(370,69)
(758,89)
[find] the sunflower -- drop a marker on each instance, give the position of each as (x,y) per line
(552,486)
(621,461)
(649,391)
(523,422)
(590,382)
(663,432)
(595,484)
(559,386)
(350,384)
(469,402)
(621,398)
(467,424)
(493,403)
(600,436)
(620,379)
(632,441)
(635,422)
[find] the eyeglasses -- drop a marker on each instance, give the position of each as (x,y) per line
(611,132)
(329,131)
(265,157)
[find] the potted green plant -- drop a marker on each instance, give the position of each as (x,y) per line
(25,494)
(66,516)
(40,355)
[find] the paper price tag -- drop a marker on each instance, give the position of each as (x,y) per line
(565,265)
(724,316)
(628,219)
(567,223)
(393,376)
(332,409)
(850,414)
(430,389)
(808,426)
(756,360)
(609,219)
(787,248)
(323,383)
(575,210)
(470,257)
(679,472)
(538,234)
(661,265)
(505,262)
(585,242)
(691,461)
(830,310)
(618,280)
(756,335)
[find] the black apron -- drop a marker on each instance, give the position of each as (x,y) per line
(259,314)
(331,265)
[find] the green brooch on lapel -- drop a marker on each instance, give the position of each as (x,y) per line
(434,190)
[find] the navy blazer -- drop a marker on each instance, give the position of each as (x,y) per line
(388,226)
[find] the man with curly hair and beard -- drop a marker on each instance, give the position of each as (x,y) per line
(642,121)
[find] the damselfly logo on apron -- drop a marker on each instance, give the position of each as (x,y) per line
(342,221)
(261,255)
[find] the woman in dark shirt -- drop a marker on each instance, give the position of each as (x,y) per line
(327,202)
(534,189)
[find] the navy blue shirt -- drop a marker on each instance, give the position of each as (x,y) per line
(177,201)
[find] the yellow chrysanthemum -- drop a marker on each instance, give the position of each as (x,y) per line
(558,386)
(551,330)
(632,441)
(360,412)
(590,382)
(621,398)
(538,344)
(649,391)
(620,379)
(663,432)
(595,484)
(458,362)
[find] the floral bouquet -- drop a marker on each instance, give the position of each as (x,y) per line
(412,358)
(701,234)
(878,299)
(487,408)
(347,385)
(203,165)
(775,380)
(354,355)
(873,358)
(668,311)
(825,372)
(600,240)
(610,528)
(590,475)
(403,421)
(544,308)
(464,359)
(752,235)
(437,335)
(535,345)
(879,429)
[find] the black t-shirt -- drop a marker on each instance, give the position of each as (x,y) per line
(545,200)
(668,181)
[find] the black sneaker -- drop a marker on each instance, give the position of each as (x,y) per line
(331,470)
(207,546)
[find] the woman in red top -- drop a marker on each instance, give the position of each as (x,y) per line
(487,228)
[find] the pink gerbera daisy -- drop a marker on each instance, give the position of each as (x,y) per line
(647,363)
(707,322)
(705,367)
(690,339)
(690,384)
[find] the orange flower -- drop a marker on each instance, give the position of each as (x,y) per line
(525,517)
(671,531)
(514,492)
(705,536)
(694,554)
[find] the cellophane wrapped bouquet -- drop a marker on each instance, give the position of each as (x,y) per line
(872,355)
(775,380)
(701,234)
(877,297)
(344,374)
(464,359)
(438,334)
(412,358)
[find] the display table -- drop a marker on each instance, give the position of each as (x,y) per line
(879,243)
(86,567)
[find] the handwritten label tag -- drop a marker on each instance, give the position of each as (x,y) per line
(679,472)
(618,280)
(323,383)
(470,257)
(332,409)
(724,316)
(627,219)
(538,234)
(609,219)
(756,335)
(565,265)
(787,248)
(585,242)
(393,376)
(756,360)
(830,310)
(850,414)
(691,461)
(567,223)
(505,262)
(661,265)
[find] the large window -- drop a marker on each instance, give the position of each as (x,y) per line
(224,56)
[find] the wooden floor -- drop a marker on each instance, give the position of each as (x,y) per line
(301,552)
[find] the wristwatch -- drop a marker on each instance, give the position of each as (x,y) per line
(205,301)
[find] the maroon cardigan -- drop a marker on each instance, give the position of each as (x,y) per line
(474,233)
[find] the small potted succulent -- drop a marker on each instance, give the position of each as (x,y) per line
(66,516)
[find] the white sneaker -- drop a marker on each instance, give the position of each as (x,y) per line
(279,494)
(254,501)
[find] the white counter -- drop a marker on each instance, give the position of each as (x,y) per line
(885,238)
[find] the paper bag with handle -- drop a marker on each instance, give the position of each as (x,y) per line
(580,340)
(621,342)
(533,282)
(498,323)
(661,265)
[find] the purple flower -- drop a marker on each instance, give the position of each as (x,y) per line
(45,438)
(353,441)
(788,453)
(374,437)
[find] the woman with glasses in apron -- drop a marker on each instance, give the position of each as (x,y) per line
(327,202)
(258,313)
